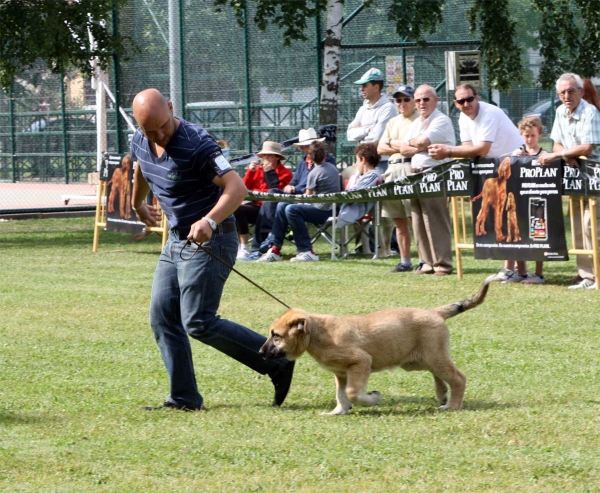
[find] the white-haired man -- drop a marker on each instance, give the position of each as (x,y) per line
(576,132)
(430,216)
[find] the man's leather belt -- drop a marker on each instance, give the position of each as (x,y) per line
(400,160)
(223,228)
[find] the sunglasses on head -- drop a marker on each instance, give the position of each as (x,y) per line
(462,101)
(425,100)
(402,100)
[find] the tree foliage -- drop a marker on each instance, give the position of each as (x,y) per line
(57,32)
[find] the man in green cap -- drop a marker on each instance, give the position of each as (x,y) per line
(368,126)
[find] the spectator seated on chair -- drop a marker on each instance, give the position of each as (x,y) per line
(368,176)
(260,177)
(324,178)
(297,186)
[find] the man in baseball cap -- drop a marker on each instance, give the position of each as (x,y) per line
(368,126)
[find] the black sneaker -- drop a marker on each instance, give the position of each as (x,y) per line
(401,268)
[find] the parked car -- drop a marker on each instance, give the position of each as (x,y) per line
(542,109)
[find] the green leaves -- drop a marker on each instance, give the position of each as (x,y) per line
(57,32)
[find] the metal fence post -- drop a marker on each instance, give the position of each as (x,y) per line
(117,80)
(64,126)
(182,55)
(247,72)
(318,45)
(13,145)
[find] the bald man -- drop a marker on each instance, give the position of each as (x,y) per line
(198,191)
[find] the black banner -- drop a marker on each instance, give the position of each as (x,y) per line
(517,210)
(582,181)
(117,171)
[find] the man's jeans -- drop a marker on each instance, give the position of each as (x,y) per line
(185,299)
(297,215)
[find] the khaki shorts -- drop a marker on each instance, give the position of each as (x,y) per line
(400,208)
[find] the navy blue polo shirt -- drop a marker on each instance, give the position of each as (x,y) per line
(182,178)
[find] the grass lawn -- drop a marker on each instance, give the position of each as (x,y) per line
(77,360)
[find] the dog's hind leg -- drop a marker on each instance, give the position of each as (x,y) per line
(343,404)
(441,390)
(449,373)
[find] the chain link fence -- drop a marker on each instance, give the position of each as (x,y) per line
(240,83)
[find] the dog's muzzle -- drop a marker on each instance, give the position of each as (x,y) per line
(269,351)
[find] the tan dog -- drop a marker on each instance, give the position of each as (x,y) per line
(514,234)
(494,197)
(354,346)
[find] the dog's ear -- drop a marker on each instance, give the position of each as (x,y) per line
(303,326)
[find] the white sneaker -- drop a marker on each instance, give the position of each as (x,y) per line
(305,257)
(516,277)
(270,257)
(534,279)
(242,254)
(504,275)
(585,284)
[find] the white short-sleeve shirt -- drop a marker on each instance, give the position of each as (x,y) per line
(438,129)
(490,125)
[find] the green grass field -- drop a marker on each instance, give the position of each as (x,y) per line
(77,360)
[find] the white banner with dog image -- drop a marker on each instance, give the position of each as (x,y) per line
(517,210)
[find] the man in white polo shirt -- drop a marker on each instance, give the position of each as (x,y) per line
(485,130)
(430,216)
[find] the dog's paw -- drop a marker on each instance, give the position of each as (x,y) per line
(338,411)
(447,407)
(443,401)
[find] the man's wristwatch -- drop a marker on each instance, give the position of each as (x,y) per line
(211,223)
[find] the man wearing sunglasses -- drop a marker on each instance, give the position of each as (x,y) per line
(398,167)
(430,217)
(485,130)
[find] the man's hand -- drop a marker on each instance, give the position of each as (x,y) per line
(149,215)
(200,231)
(553,156)
(267,166)
(289,189)
(438,151)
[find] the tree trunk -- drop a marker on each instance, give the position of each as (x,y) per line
(331,63)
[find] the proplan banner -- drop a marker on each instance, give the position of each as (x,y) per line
(517,210)
(118,173)
(445,180)
(582,181)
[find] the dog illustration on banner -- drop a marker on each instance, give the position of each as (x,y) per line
(514,234)
(494,196)
(121,186)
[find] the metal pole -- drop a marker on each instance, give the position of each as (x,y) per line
(117,81)
(182,60)
(64,126)
(247,73)
(175,56)
(13,144)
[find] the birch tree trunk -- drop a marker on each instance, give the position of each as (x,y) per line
(331,62)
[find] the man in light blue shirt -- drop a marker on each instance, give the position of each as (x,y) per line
(576,132)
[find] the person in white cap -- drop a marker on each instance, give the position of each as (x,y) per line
(368,126)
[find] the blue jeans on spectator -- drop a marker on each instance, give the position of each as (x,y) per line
(185,299)
(296,215)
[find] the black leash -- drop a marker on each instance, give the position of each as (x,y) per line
(199,246)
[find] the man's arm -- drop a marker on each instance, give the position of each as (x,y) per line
(376,131)
(148,214)
(569,155)
(234,192)
(465,150)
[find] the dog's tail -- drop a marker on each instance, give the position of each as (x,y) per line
(453,309)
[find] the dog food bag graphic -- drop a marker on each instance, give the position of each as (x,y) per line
(538,220)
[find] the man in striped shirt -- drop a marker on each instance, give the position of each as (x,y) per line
(198,191)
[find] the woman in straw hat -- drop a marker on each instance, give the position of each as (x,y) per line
(260,177)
